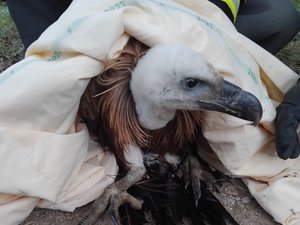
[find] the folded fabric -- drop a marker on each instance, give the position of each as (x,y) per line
(44,162)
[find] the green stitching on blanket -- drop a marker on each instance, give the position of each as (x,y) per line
(116,6)
(63,36)
(208,24)
(56,55)
(11,71)
(252,75)
(74,25)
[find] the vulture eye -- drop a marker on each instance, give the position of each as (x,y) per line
(191,83)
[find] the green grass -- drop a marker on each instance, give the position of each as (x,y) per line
(5,21)
(297,4)
(7,27)
(11,48)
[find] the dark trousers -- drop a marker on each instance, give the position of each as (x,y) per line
(32,17)
(270,23)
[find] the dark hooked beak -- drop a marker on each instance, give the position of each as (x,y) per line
(236,102)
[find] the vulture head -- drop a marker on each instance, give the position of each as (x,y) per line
(170,77)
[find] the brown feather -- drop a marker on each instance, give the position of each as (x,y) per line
(108,104)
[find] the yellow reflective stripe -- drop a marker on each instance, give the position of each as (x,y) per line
(234,7)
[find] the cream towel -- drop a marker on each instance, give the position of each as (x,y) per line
(44,159)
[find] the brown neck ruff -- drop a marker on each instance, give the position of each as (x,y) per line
(109,110)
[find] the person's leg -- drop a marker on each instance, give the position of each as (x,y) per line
(32,17)
(270,23)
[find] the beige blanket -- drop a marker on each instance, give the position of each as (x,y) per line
(45,163)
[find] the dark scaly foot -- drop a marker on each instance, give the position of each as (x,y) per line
(106,206)
(193,174)
(111,216)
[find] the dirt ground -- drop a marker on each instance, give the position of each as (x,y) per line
(231,193)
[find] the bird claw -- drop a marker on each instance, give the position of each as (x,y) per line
(114,219)
(192,174)
(112,197)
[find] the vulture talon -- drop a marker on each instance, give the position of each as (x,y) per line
(115,195)
(192,173)
(112,216)
(114,219)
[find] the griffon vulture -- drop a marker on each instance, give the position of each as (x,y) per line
(151,101)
